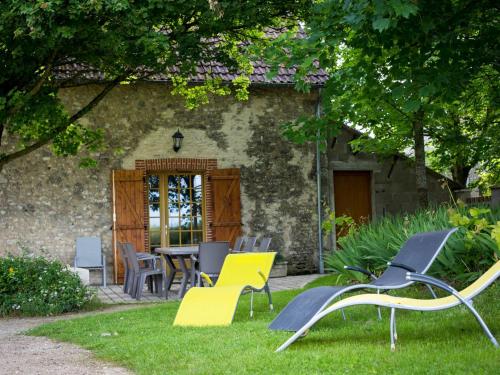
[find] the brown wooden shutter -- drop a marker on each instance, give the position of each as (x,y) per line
(226,224)
(128,214)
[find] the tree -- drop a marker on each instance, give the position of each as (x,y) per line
(49,45)
(394,65)
(465,134)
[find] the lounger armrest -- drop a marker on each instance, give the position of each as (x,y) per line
(418,277)
(262,275)
(207,278)
(362,270)
(403,266)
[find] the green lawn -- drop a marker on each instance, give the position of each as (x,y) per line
(446,342)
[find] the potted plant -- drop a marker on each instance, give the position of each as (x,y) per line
(280,266)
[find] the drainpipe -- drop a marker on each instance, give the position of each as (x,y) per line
(318,184)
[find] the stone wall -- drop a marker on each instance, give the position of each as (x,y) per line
(46,202)
(393,186)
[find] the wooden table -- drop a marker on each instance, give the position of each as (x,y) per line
(181,254)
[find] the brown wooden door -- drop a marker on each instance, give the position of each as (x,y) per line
(128,214)
(352,190)
(226,225)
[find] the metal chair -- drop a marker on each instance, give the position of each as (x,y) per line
(249,245)
(456,298)
(89,255)
(264,244)
(210,259)
(416,255)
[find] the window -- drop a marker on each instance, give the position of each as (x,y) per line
(176,210)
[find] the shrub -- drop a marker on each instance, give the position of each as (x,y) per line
(38,286)
(467,254)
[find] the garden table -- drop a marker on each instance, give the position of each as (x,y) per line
(181,254)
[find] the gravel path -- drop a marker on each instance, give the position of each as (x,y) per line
(21,354)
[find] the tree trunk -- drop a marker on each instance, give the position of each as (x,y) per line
(460,173)
(420,169)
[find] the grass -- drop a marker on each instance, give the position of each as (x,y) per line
(144,341)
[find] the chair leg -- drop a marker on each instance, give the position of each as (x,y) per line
(251,304)
(125,281)
(431,290)
(135,286)
(268,291)
(130,282)
(140,286)
(393,326)
(378,308)
(481,322)
(104,281)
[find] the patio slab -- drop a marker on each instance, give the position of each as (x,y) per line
(113,294)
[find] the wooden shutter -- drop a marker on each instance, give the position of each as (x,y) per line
(128,214)
(226,224)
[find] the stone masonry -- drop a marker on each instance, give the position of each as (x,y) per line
(47,201)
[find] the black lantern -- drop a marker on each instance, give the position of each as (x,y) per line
(177,139)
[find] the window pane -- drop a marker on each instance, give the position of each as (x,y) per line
(154,223)
(174,238)
(154,209)
(197,181)
(154,182)
(186,223)
(154,195)
(173,208)
(197,223)
(185,195)
(186,238)
(172,182)
(184,181)
(185,209)
(196,209)
(173,223)
(154,238)
(197,237)
(196,195)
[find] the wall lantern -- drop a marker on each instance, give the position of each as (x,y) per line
(177,139)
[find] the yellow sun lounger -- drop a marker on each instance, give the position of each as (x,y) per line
(456,298)
(216,306)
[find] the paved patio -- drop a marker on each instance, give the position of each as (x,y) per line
(113,294)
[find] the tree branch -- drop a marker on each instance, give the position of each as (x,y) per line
(4,159)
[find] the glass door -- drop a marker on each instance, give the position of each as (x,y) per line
(175,209)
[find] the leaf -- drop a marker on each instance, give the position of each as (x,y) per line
(411,106)
(380,24)
(427,90)
(403,8)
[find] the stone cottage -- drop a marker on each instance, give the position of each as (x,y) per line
(234,174)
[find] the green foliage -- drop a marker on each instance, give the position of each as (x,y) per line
(343,224)
(49,45)
(396,64)
(38,286)
(467,254)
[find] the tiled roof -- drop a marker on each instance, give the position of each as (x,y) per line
(285,76)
